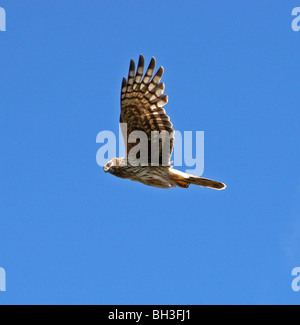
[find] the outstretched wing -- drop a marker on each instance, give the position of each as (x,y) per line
(142,101)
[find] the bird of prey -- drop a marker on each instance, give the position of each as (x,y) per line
(142,101)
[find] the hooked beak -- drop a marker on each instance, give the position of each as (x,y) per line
(106,169)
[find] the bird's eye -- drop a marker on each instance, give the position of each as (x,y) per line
(106,168)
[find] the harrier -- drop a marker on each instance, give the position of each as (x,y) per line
(142,102)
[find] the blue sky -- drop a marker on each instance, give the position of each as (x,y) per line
(71,234)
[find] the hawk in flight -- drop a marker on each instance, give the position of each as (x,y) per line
(142,102)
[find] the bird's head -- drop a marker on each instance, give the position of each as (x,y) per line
(113,164)
(108,165)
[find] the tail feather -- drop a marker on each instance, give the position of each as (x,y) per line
(206,182)
(184,180)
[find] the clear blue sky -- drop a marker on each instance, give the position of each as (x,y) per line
(71,234)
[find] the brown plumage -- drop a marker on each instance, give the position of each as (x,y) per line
(142,101)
